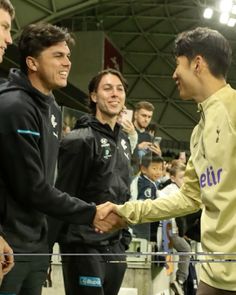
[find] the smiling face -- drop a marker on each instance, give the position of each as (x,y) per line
(109,97)
(154,171)
(185,77)
(51,68)
(5,32)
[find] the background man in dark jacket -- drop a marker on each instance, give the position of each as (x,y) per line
(94,162)
(143,113)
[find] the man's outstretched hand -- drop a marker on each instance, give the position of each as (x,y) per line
(106,218)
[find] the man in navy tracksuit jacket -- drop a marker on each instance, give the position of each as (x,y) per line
(30,127)
(94,162)
(7,14)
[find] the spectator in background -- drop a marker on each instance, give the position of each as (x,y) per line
(7,14)
(165,180)
(143,113)
(151,169)
(182,157)
(65,129)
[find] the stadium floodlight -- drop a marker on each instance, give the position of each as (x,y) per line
(231,22)
(233,9)
(208,12)
(224,10)
(224,18)
(226,5)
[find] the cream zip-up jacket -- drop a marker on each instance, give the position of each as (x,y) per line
(210,183)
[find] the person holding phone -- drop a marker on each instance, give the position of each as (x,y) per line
(142,117)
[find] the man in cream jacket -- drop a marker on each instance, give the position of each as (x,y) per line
(203,57)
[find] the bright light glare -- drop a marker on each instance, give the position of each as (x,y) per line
(231,22)
(227,9)
(226,5)
(224,17)
(233,9)
(208,12)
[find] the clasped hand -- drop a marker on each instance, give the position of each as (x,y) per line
(106,218)
(6,258)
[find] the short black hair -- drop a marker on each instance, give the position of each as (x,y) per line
(208,43)
(94,83)
(37,37)
(150,158)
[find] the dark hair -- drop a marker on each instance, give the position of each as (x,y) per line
(8,7)
(149,158)
(208,43)
(37,37)
(144,105)
(94,83)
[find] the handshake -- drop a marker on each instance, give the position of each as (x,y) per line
(6,258)
(107,219)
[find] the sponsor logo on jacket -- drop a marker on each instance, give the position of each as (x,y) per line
(210,177)
(106,148)
(53,121)
(148,193)
(54,124)
(124,146)
(90,281)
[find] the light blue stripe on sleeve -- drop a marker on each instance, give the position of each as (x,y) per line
(22,131)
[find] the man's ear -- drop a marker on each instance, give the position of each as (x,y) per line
(31,63)
(143,169)
(94,97)
(198,63)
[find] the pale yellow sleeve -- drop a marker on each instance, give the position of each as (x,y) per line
(184,202)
